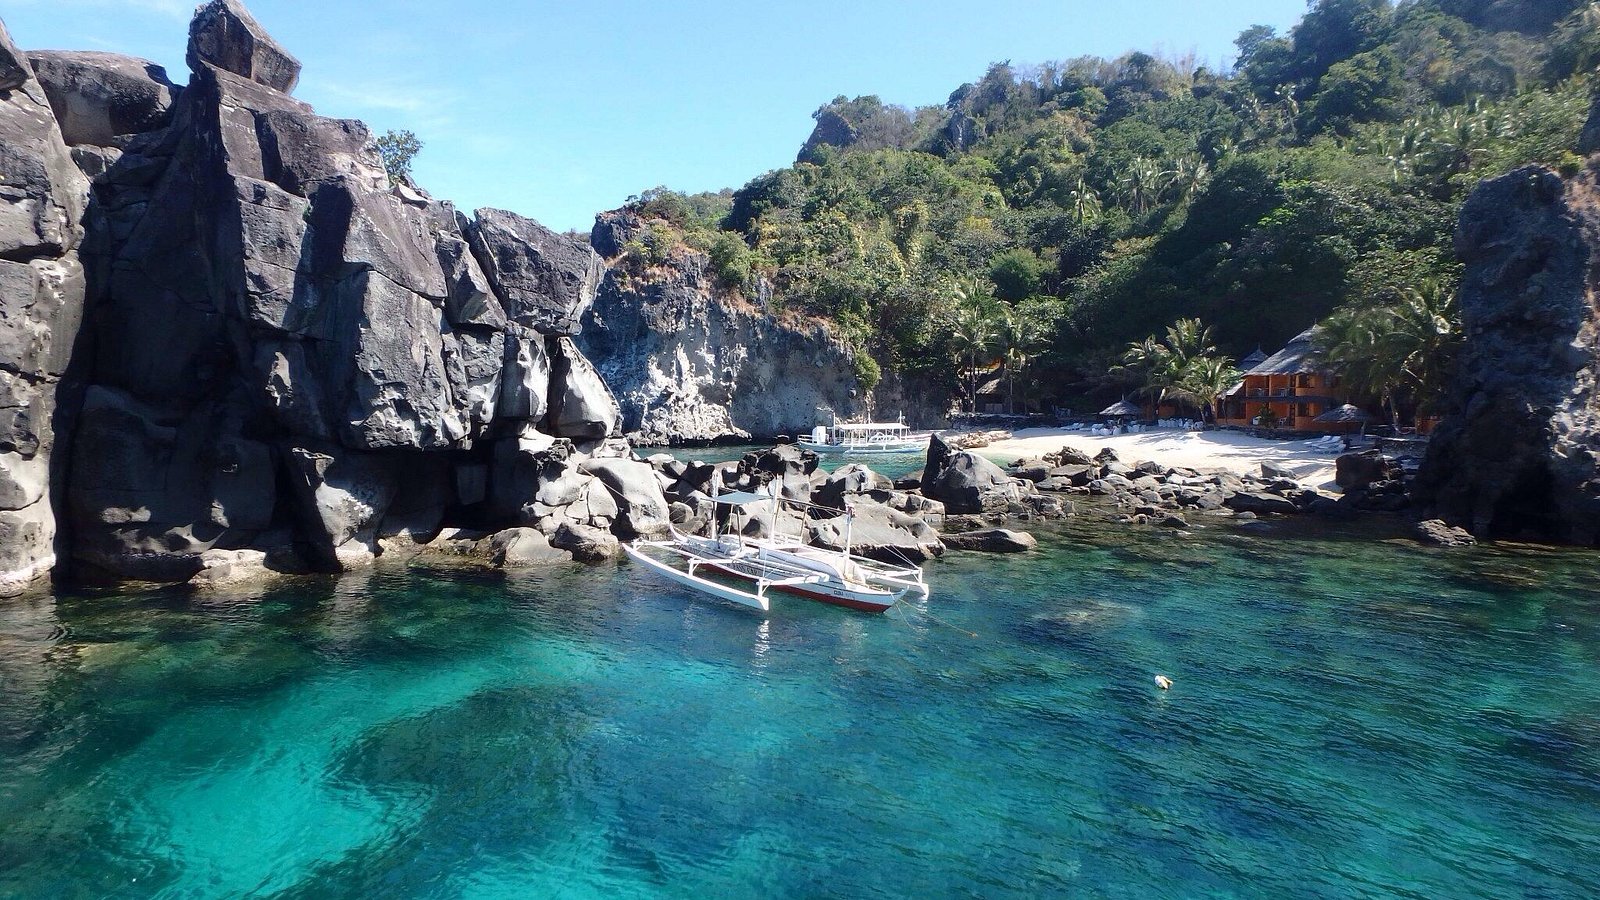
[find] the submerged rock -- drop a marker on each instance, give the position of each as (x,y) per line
(991,540)
(1442,534)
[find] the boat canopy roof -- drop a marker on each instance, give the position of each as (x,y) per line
(742,498)
(872,426)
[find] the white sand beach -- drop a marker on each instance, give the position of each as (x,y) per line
(1193,449)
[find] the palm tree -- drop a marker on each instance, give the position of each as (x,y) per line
(1143,185)
(1184,367)
(1084,202)
(1189,175)
(1206,380)
(1016,335)
(972,330)
(1152,362)
(1404,350)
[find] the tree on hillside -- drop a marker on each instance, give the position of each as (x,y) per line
(1402,353)
(398,149)
(973,334)
(1183,367)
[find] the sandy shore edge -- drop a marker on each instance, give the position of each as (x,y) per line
(1230,450)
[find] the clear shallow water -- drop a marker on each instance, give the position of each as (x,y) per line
(1350,719)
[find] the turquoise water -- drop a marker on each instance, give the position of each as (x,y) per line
(1350,718)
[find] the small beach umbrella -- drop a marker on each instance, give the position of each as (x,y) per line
(1345,415)
(1121,409)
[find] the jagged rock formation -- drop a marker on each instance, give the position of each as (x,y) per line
(103,99)
(289,360)
(1517,453)
(42,197)
(691,363)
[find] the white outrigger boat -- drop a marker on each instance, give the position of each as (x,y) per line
(782,564)
(865,437)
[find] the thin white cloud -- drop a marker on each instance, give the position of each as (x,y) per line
(174,9)
(419,107)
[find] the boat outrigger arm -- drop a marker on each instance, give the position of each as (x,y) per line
(688,578)
(784,564)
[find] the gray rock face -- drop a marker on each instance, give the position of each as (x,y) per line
(103,99)
(1442,534)
(225,35)
(153,489)
(546,280)
(968,483)
(516,548)
(879,532)
(581,406)
(642,507)
(1516,454)
(42,199)
(689,361)
(344,496)
(299,346)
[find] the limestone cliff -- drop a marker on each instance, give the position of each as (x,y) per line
(42,196)
(690,362)
(1519,452)
(285,353)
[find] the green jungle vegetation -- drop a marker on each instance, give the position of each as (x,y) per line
(1094,226)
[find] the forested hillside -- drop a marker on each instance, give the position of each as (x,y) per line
(1048,215)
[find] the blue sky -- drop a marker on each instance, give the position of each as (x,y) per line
(560,110)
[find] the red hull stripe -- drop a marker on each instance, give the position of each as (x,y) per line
(797,590)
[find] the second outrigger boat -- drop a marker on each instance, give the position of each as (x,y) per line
(781,564)
(865,437)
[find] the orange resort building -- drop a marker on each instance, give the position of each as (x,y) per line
(1285,390)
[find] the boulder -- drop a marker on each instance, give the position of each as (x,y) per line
(1035,470)
(225,35)
(1070,456)
(1274,471)
(1260,502)
(1354,471)
(101,99)
(545,280)
(1442,534)
(782,460)
(585,543)
(581,406)
(991,540)
(966,482)
(878,532)
(847,480)
(642,508)
(516,548)
(341,497)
